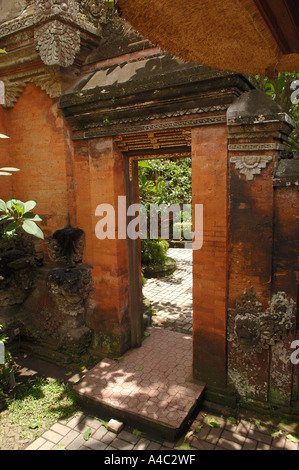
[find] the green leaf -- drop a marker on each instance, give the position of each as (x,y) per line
(2,205)
(137,433)
(146,333)
(199,428)
(19,207)
(276,433)
(60,447)
(140,367)
(87,434)
(10,203)
(231,420)
(30,227)
(3,136)
(37,218)
(10,227)
(9,168)
(185,446)
(28,206)
(33,425)
(292,438)
(213,422)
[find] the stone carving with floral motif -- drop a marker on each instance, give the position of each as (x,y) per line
(251,165)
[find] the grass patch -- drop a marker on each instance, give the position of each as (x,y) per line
(38,404)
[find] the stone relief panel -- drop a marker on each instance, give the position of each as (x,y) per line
(252,330)
(251,165)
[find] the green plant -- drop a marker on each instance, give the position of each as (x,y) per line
(164,181)
(281,90)
(15,214)
(153,251)
(212,422)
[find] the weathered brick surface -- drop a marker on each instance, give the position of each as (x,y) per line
(209,186)
(99,177)
(40,147)
(5,160)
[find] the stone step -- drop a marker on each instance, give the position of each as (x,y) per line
(150,388)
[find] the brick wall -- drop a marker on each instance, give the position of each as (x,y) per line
(209,187)
(40,147)
(5,181)
(99,179)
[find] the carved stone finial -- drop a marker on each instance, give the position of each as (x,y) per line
(252,330)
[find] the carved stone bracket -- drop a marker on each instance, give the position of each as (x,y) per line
(57,43)
(47,78)
(251,330)
(251,165)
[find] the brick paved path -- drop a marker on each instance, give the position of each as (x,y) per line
(243,435)
(171,296)
(150,385)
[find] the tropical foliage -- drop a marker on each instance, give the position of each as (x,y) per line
(164,181)
(15,214)
(284,90)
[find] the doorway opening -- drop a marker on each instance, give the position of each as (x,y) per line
(165,187)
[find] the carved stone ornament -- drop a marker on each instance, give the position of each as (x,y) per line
(48,79)
(94,10)
(66,245)
(47,9)
(251,165)
(252,330)
(57,43)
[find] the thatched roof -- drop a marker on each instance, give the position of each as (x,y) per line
(247,36)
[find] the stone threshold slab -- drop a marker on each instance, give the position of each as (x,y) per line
(150,388)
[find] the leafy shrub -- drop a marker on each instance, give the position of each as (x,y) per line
(153,251)
(16,215)
(186,229)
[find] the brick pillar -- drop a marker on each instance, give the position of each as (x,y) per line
(284,375)
(257,129)
(99,177)
(209,187)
